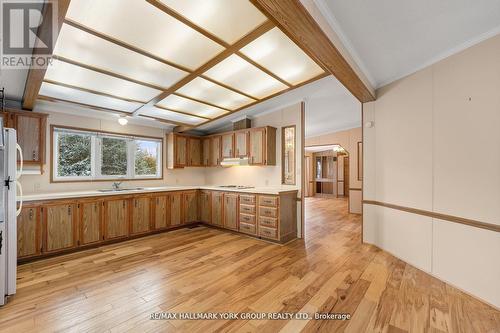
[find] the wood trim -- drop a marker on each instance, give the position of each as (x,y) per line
(52,126)
(182,112)
(445,217)
(265,70)
(302,168)
(296,22)
(283,153)
(228,87)
(200,101)
(360,143)
(96,108)
(355,189)
(36,75)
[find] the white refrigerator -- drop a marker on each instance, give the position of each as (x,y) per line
(9,209)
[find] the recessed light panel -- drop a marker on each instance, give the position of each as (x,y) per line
(139,23)
(178,103)
(229,20)
(277,53)
(62,72)
(207,91)
(240,74)
(77,45)
(174,116)
(78,96)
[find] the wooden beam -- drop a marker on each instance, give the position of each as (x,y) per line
(36,75)
(296,22)
(257,32)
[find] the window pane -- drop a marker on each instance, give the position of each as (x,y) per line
(146,158)
(114,157)
(73,155)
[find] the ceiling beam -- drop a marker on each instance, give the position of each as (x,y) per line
(296,22)
(35,75)
(251,36)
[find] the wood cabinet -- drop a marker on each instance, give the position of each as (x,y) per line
(175,209)
(177,151)
(241,140)
(217,207)
(141,212)
(60,227)
(190,206)
(116,218)
(230,209)
(160,212)
(228,145)
(205,151)
(205,205)
(215,150)
(90,221)
(28,232)
(194,152)
(262,144)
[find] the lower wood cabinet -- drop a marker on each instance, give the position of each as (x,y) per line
(60,227)
(90,222)
(190,207)
(205,203)
(216,208)
(116,218)
(141,215)
(231,211)
(161,212)
(175,209)
(29,242)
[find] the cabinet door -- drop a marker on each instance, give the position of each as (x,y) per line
(160,217)
(190,206)
(29,137)
(60,228)
(28,232)
(180,151)
(90,222)
(175,209)
(205,206)
(257,146)
(206,153)
(227,145)
(141,209)
(216,151)
(217,203)
(116,219)
(194,152)
(231,211)
(241,144)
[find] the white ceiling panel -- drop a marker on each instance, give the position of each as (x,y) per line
(142,25)
(178,103)
(174,116)
(73,95)
(277,53)
(77,45)
(238,73)
(84,78)
(207,91)
(227,19)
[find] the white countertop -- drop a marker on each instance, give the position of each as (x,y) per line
(95,193)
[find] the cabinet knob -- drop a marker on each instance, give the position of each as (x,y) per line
(31,214)
(69,210)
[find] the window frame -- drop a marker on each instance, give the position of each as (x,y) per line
(96,144)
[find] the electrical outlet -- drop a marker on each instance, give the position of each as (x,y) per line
(37,187)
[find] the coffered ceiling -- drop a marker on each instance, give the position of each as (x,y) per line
(181,62)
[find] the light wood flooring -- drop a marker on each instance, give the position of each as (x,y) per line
(115,288)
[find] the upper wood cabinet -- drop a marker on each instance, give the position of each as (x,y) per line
(28,232)
(241,143)
(205,206)
(141,213)
(177,146)
(60,227)
(263,146)
(216,208)
(228,145)
(160,212)
(230,209)
(194,152)
(215,150)
(190,206)
(116,218)
(205,151)
(90,221)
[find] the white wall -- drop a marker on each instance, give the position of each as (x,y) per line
(435,146)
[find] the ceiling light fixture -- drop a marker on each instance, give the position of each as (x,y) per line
(123,121)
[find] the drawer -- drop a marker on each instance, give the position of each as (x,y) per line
(268,222)
(247,199)
(245,218)
(268,232)
(247,209)
(268,201)
(268,212)
(248,228)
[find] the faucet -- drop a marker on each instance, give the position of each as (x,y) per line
(116,185)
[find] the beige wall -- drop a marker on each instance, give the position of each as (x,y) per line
(349,140)
(41,183)
(435,146)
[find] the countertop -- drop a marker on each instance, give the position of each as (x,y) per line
(95,193)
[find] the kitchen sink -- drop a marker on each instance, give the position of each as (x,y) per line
(121,189)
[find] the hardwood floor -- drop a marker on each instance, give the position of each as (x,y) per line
(115,288)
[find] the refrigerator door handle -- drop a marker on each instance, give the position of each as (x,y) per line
(20,171)
(20,200)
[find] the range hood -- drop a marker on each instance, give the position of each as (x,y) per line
(234,161)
